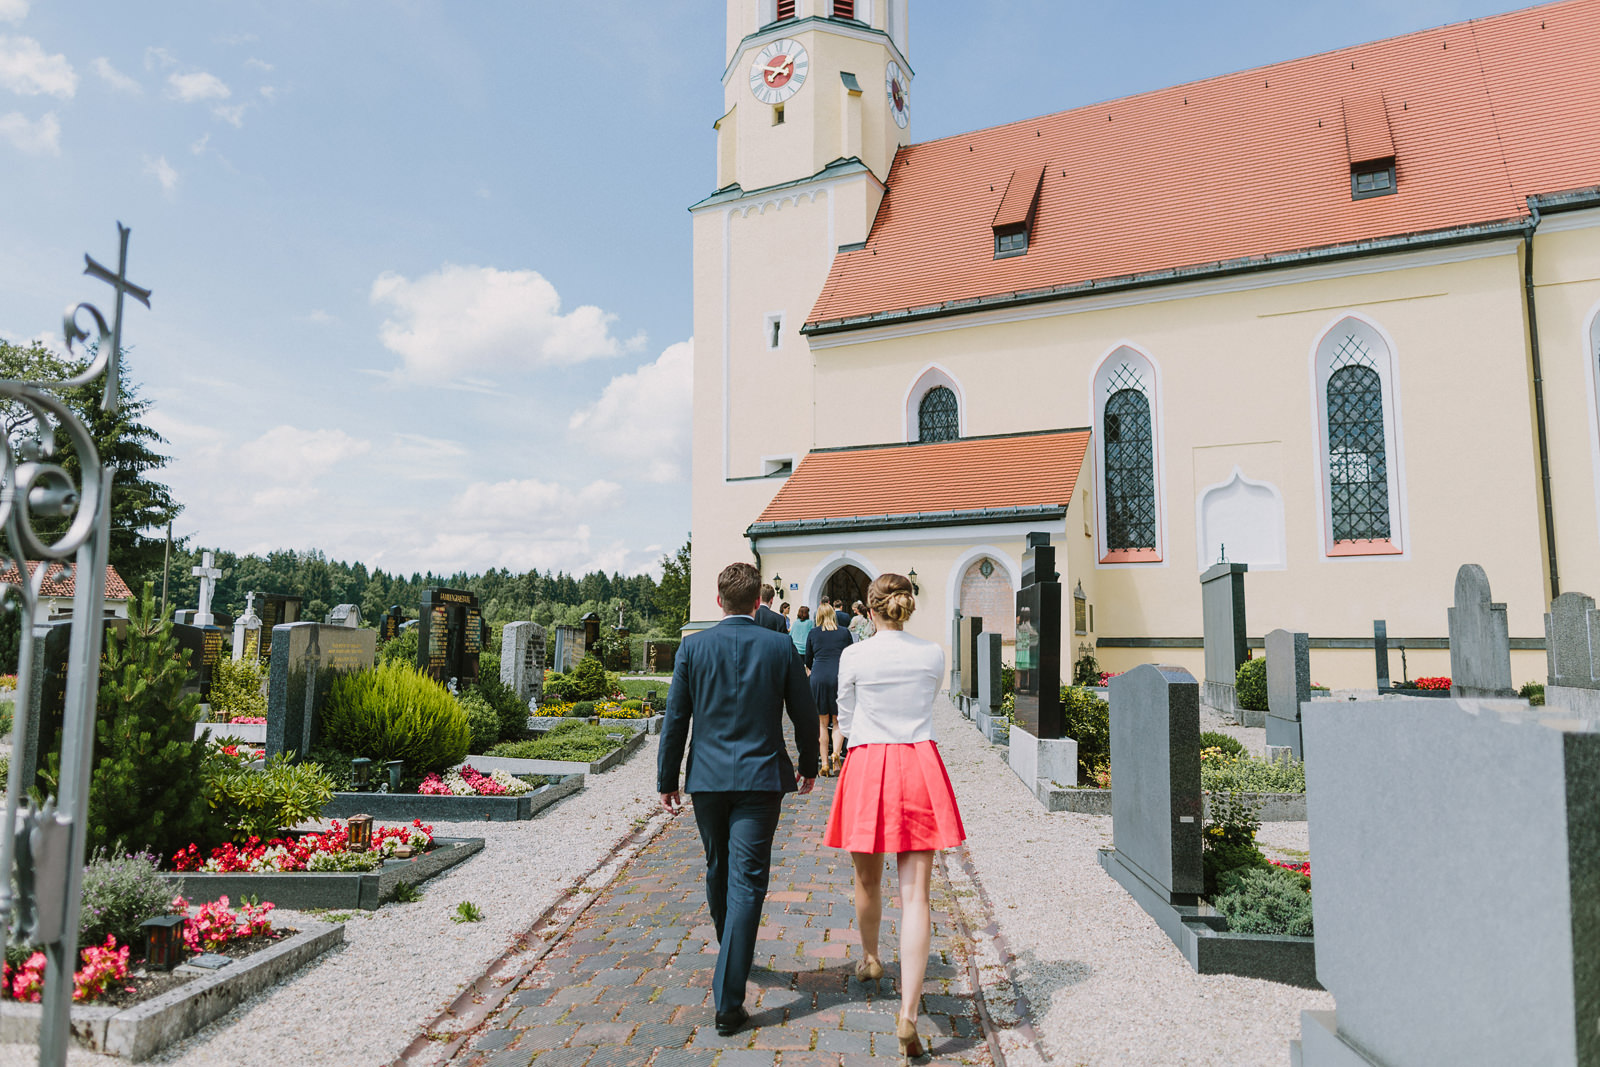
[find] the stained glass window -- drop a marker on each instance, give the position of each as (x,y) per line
(938,416)
(1130,471)
(1358,472)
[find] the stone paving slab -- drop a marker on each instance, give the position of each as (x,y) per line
(629,984)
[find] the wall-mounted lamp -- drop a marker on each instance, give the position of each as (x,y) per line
(915,590)
(777,583)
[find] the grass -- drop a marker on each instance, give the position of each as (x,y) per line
(636,688)
(1250,774)
(405,893)
(467,912)
(580,742)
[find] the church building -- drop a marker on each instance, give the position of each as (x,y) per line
(1337,318)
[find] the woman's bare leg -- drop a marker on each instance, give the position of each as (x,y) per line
(869,900)
(823,734)
(916,921)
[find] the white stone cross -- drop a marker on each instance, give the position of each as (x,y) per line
(208,574)
(244,626)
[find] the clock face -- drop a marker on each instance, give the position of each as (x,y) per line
(779,71)
(898,88)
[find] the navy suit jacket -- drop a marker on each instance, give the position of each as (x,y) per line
(732,683)
(765,616)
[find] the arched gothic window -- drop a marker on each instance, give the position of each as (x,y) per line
(1356,395)
(1125,425)
(938,415)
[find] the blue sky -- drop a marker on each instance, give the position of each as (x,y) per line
(422,269)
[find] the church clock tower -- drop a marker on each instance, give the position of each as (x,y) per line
(816,101)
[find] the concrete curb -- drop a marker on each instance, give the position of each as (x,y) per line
(1275,807)
(513,765)
(139,1032)
(403,807)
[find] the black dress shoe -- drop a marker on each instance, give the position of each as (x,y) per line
(731,1022)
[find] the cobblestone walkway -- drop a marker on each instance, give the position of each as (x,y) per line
(629,984)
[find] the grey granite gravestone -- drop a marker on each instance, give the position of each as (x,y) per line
(1380,651)
(955,657)
(970,627)
(1155,771)
(306,657)
(348,615)
(1480,642)
(1409,803)
(568,650)
(1222,615)
(1288,687)
(1572,653)
(522,659)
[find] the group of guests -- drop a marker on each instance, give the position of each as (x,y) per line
(821,641)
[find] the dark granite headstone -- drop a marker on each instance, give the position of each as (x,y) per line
(1038,678)
(202,645)
(989,673)
(1288,687)
(1222,613)
(276,610)
(522,659)
(51,643)
(449,636)
(1380,650)
(1155,768)
(1480,642)
(390,622)
(659,656)
(306,657)
(968,630)
(591,634)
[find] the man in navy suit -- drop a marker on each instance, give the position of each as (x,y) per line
(733,682)
(765,616)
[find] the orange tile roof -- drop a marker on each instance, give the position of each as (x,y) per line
(1481,115)
(61,584)
(1027,471)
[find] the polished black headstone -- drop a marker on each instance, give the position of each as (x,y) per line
(1380,649)
(450,633)
(1038,684)
(275,610)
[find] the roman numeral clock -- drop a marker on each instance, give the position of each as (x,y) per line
(778,71)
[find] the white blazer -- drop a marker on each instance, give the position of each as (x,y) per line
(887,686)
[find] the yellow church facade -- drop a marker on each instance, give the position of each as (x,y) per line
(1367,361)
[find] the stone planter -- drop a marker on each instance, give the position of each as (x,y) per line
(249,733)
(512,765)
(140,1031)
(649,725)
(302,890)
(403,807)
(1275,807)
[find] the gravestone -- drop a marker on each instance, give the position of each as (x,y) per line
(971,626)
(659,656)
(1288,687)
(1480,642)
(568,649)
(955,656)
(1380,650)
(347,615)
(306,657)
(247,631)
(1155,770)
(1572,652)
(591,634)
(449,636)
(1407,807)
(390,622)
(208,574)
(1038,677)
(1222,611)
(522,660)
(47,711)
(202,647)
(986,709)
(276,610)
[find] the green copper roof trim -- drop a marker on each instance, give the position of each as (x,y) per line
(914,520)
(839,168)
(849,81)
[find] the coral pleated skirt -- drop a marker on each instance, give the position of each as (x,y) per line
(894,798)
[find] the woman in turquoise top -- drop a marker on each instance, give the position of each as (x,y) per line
(800,628)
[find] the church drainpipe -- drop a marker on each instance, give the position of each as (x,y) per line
(1538,395)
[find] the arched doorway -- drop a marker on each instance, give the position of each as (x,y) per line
(847,585)
(987,593)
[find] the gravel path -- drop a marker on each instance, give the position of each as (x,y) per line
(403,964)
(1106,986)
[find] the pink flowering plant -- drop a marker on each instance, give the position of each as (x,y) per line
(102,965)
(248,720)
(322,851)
(215,924)
(466,781)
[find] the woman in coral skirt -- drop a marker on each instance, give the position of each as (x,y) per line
(894,795)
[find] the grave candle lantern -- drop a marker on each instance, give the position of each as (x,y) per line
(394,767)
(360,833)
(163,942)
(361,774)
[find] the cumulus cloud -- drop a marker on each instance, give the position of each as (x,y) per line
(459,322)
(198,86)
(664,389)
(114,77)
(13,10)
(288,454)
(161,171)
(25,69)
(34,138)
(258,64)
(233,115)
(158,57)
(524,523)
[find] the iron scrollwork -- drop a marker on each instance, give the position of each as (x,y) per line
(41,858)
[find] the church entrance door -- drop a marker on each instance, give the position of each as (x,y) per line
(848,584)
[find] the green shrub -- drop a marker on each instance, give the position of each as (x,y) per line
(637,688)
(1533,693)
(236,689)
(395,712)
(1251,774)
(481,721)
(583,709)
(633,705)
(1229,838)
(1250,684)
(402,649)
(1265,900)
(1089,724)
(7,708)
(118,894)
(260,803)
(590,676)
(511,712)
(580,742)
(5,769)
(1086,669)
(1008,680)
(1230,746)
(562,688)
(345,861)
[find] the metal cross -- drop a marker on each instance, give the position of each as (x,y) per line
(208,575)
(118,281)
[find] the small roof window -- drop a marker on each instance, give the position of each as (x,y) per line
(1013,220)
(1369,146)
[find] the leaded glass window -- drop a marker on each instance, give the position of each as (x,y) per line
(1358,470)
(1130,492)
(938,416)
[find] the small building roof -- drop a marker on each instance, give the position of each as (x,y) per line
(966,481)
(61,584)
(1237,170)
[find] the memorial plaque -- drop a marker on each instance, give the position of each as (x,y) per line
(1038,684)
(389,623)
(306,658)
(450,636)
(276,611)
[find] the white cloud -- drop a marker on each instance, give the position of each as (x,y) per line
(41,138)
(461,322)
(27,71)
(200,85)
(199,146)
(158,57)
(162,172)
(258,64)
(522,524)
(233,115)
(644,416)
(287,454)
(321,317)
(269,92)
(13,10)
(114,77)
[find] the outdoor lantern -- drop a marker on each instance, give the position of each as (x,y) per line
(360,833)
(393,767)
(163,941)
(913,576)
(650,699)
(361,774)
(777,583)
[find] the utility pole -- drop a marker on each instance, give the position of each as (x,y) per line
(166,565)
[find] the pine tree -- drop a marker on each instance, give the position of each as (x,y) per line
(672,595)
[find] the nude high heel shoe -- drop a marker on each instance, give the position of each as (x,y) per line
(869,971)
(910,1043)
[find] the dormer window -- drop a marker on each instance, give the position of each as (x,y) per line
(1013,220)
(1372,179)
(1369,146)
(1010,241)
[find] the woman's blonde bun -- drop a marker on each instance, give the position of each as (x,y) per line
(891,597)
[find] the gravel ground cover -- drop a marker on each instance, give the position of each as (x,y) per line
(403,964)
(1104,983)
